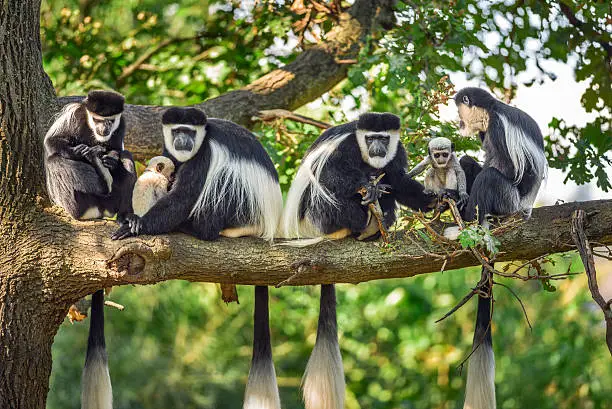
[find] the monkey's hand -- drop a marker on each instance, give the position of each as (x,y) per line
(111,160)
(88,152)
(463,199)
(373,191)
(132,226)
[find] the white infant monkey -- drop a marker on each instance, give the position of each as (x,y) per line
(153,184)
(445,173)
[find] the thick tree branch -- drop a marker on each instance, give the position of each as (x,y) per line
(311,74)
(97,262)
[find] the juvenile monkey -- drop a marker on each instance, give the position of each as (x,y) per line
(445,173)
(153,184)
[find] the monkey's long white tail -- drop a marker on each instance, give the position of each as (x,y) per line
(480,386)
(323,384)
(96,390)
(261,390)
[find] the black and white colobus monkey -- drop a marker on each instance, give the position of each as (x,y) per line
(153,184)
(88,171)
(445,175)
(508,182)
(323,202)
(96,390)
(224,185)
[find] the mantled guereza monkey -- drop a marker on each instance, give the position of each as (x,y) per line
(224,185)
(445,175)
(323,202)
(508,182)
(88,172)
(153,184)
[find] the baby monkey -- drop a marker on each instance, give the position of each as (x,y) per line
(446,177)
(153,184)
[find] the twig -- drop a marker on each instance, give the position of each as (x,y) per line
(419,216)
(519,300)
(376,210)
(476,290)
(586,254)
(272,114)
(114,305)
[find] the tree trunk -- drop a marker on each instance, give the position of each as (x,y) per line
(28,321)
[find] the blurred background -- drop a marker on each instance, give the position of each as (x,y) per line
(177,344)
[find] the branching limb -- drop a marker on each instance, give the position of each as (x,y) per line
(586,254)
(273,114)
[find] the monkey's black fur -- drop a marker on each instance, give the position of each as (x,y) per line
(174,211)
(78,165)
(104,103)
(372,121)
(187,116)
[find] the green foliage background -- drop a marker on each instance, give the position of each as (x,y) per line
(178,345)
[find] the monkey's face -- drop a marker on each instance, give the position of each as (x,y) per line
(103,126)
(440,157)
(162,165)
(183,141)
(377,148)
(472,119)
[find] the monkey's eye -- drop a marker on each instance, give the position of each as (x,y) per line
(445,155)
(436,155)
(466,100)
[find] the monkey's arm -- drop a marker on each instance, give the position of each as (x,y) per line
(406,190)
(172,210)
(343,179)
(461,182)
(418,169)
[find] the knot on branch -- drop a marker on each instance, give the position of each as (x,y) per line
(133,257)
(300,268)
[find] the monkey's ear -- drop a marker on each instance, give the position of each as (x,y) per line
(452,146)
(159,167)
(466,100)
(428,151)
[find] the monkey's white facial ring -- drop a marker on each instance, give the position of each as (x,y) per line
(183,141)
(103,126)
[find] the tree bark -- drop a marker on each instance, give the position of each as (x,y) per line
(29,313)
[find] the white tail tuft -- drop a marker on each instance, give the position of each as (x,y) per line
(96,389)
(262,390)
(480,386)
(323,384)
(452,233)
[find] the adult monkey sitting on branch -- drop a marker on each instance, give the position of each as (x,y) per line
(508,182)
(324,203)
